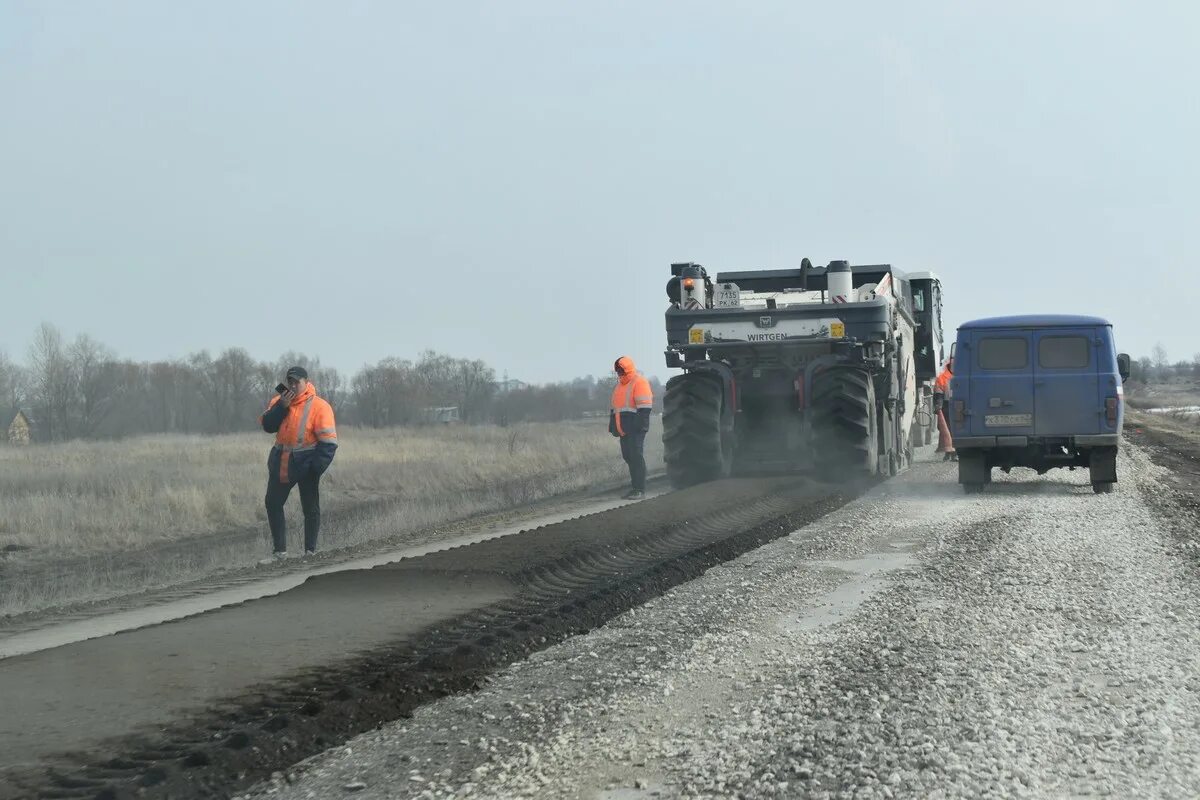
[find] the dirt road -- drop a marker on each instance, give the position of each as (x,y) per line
(1036,640)
(198,706)
(761,638)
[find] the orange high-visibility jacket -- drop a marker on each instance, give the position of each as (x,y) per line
(305,436)
(942,384)
(632,400)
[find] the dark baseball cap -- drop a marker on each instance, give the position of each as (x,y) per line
(297,372)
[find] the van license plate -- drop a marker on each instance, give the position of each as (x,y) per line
(1008,420)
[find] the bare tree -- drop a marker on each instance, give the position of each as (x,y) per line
(332,386)
(94,380)
(436,375)
(1143,370)
(474,384)
(227,384)
(328,381)
(1161,366)
(50,382)
(12,384)
(387,393)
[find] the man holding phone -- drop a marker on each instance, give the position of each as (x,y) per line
(305,442)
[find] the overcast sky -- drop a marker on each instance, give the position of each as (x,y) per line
(510,180)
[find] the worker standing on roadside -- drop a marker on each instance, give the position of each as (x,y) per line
(305,442)
(941,394)
(629,420)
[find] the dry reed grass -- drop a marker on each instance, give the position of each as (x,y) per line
(81,498)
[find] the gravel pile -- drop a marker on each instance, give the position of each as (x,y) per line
(1036,640)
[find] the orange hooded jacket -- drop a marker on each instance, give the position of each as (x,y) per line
(632,399)
(942,384)
(305,436)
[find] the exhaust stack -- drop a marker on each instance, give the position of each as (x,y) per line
(840,282)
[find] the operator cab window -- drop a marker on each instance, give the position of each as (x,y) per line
(1003,353)
(1063,352)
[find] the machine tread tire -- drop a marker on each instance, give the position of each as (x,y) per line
(694,449)
(844,420)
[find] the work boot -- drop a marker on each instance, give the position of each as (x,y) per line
(633,494)
(309,553)
(276,557)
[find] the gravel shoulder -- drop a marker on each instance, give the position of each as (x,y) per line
(1036,640)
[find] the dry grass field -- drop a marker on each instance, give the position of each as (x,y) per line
(98,500)
(1172,394)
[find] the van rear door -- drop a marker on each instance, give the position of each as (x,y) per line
(1001,385)
(1066,384)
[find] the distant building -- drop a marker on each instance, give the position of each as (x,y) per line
(20,429)
(510,385)
(444,415)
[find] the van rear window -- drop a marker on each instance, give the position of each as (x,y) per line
(1063,352)
(1003,353)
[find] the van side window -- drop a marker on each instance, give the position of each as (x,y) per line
(1003,353)
(1063,352)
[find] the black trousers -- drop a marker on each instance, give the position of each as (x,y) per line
(632,445)
(310,503)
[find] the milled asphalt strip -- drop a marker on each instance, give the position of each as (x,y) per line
(323,659)
(132,619)
(1036,640)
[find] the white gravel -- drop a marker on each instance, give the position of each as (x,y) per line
(1036,640)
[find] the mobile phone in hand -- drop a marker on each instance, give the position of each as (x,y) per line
(281,388)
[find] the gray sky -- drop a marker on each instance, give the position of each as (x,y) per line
(510,181)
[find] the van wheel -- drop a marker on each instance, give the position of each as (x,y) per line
(1103,487)
(973,471)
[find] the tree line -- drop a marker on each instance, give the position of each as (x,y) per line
(80,389)
(1159,368)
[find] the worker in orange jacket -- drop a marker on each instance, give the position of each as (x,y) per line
(305,442)
(941,395)
(629,420)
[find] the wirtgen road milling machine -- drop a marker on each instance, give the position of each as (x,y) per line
(823,369)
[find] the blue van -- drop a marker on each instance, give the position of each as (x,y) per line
(1039,391)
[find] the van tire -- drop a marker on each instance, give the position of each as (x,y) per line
(973,471)
(1102,468)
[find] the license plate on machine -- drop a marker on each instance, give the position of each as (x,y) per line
(1008,420)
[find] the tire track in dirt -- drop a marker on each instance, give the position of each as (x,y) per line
(379,643)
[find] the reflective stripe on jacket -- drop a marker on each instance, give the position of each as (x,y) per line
(305,439)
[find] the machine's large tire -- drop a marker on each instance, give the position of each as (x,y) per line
(693,447)
(845,424)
